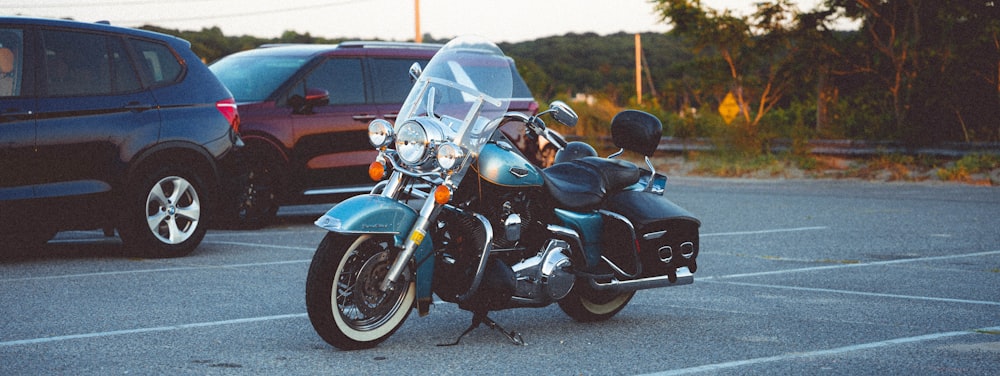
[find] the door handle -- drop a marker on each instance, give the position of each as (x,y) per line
(12,114)
(137,106)
(363,118)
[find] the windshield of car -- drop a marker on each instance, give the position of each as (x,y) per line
(254,79)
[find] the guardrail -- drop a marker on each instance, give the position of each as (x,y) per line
(849,148)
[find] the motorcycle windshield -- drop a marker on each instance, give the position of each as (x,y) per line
(467,85)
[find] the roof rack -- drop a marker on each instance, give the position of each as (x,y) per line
(384,44)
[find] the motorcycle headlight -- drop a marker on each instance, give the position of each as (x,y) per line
(449,155)
(380,133)
(412,142)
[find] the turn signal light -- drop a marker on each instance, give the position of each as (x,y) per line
(442,194)
(376,171)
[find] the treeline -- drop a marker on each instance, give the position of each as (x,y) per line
(917,71)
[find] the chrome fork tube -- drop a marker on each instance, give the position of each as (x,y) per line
(417,234)
(393,185)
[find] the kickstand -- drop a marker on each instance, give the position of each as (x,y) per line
(481,318)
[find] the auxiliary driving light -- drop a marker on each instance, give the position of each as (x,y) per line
(449,155)
(380,133)
(442,194)
(376,171)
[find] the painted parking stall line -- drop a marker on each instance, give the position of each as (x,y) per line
(34,341)
(759,232)
(157,270)
(860,293)
(709,368)
(858,265)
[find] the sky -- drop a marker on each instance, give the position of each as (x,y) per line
(500,21)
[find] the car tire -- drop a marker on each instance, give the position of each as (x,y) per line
(164,214)
(256,199)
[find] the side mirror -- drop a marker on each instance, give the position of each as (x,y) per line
(314,98)
(415,72)
(563,113)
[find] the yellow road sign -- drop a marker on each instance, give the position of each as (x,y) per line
(729,108)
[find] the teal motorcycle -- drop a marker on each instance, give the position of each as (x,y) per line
(460,213)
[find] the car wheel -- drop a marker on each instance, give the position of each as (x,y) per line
(256,198)
(164,214)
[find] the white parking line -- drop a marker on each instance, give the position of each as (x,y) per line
(149,330)
(858,265)
(714,368)
(159,270)
(862,293)
(310,249)
(764,231)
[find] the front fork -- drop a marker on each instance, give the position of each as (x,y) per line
(430,209)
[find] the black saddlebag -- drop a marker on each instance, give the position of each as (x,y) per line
(667,234)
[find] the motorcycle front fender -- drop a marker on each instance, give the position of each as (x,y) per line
(373,214)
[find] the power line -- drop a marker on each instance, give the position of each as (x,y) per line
(104,3)
(194,18)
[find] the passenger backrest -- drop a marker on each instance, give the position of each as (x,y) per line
(636,131)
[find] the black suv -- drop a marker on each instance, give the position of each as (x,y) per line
(104,127)
(305,111)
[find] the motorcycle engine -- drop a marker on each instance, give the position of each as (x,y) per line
(544,278)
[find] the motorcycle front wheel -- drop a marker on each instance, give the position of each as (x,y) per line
(345,304)
(584,304)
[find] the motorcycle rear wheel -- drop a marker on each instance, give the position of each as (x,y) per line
(345,304)
(584,304)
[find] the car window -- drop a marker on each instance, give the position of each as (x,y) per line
(254,79)
(75,63)
(11,62)
(158,65)
(123,75)
(342,77)
(392,79)
(86,64)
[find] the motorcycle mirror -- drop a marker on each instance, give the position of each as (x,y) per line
(563,113)
(415,72)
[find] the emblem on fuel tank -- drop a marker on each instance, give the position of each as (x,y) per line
(519,172)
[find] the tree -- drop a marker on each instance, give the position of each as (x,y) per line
(759,51)
(939,62)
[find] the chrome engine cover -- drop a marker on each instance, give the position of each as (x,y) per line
(543,278)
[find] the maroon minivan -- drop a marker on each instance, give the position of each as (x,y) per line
(304,113)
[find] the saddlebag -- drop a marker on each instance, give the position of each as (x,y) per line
(667,234)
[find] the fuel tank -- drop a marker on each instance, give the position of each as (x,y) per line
(501,164)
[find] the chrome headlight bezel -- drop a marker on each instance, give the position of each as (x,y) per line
(450,155)
(412,143)
(381,133)
(416,139)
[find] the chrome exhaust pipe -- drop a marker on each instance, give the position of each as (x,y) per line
(684,277)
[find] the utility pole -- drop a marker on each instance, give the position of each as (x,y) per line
(638,68)
(416,11)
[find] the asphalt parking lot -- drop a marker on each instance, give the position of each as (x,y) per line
(795,277)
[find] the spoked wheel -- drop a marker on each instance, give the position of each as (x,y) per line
(345,304)
(585,304)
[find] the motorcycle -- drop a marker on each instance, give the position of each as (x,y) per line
(460,213)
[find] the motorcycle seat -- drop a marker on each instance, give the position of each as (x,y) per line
(583,184)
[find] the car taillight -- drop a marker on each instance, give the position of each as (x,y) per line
(228,109)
